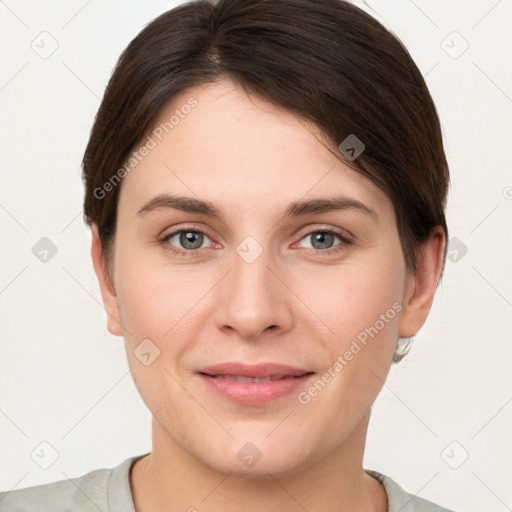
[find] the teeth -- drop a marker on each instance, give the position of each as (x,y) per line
(248,379)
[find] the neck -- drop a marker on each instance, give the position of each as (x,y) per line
(170,479)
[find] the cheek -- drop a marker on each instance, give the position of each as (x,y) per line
(361,307)
(162,309)
(156,302)
(348,301)
(155,311)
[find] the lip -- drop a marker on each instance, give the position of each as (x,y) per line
(285,380)
(257,370)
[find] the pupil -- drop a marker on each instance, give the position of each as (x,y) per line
(321,238)
(189,238)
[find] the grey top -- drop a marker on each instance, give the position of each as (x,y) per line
(108,490)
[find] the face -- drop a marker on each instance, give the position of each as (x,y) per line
(324,291)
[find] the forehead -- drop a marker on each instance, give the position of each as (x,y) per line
(236,149)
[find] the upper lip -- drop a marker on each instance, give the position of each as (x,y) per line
(258,370)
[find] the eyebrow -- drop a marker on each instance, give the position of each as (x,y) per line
(296,209)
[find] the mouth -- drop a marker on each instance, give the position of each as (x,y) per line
(254,384)
(272,371)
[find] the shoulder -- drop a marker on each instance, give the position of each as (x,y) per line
(96,490)
(79,493)
(401,501)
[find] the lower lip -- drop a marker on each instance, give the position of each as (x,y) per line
(255,393)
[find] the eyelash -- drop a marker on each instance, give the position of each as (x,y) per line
(192,252)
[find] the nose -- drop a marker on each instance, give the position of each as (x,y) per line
(253,300)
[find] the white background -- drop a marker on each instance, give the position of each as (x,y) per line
(64,379)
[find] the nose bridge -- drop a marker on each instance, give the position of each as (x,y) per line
(253,298)
(251,269)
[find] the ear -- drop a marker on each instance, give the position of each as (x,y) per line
(108,293)
(421,287)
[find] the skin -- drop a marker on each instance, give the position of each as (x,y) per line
(252,159)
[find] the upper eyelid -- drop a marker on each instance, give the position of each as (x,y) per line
(187,228)
(306,231)
(336,230)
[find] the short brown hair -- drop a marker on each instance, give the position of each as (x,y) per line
(326,61)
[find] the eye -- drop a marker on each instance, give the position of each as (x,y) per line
(184,240)
(323,239)
(188,241)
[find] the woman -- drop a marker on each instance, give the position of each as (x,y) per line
(265,183)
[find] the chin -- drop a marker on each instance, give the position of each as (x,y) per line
(255,460)
(262,470)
